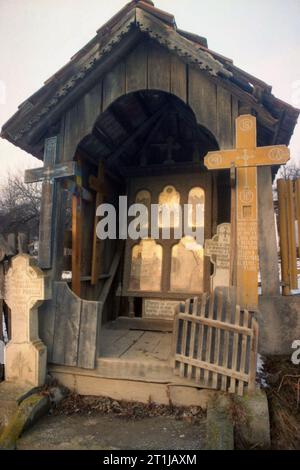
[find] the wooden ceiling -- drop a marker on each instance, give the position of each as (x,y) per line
(136,130)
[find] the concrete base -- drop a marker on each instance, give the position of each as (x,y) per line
(253,431)
(26,363)
(220,429)
(279,324)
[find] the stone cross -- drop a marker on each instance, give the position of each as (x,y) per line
(245,159)
(218,249)
(49,174)
(25,287)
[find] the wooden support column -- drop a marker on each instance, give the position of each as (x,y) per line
(283,236)
(76,242)
(267,244)
(97,185)
(233,227)
(291,234)
(77,233)
(297,203)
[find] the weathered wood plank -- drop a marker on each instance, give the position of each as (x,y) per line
(67,322)
(96,249)
(159,68)
(114,84)
(224,121)
(253,355)
(137,68)
(243,353)
(225,359)
(184,336)
(267,244)
(202,97)
(232,387)
(201,335)
(217,345)
(291,235)
(80,119)
(208,346)
(59,225)
(192,337)
(297,206)
(87,344)
(178,78)
(76,243)
(283,236)
(234,115)
(236,375)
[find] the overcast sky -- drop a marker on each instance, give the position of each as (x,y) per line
(37,37)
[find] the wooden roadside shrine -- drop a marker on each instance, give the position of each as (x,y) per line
(145,111)
(245,159)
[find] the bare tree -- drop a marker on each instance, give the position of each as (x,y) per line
(19,206)
(290,171)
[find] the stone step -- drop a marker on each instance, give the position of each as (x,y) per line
(135,369)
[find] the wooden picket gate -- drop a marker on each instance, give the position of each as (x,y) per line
(288,214)
(215,343)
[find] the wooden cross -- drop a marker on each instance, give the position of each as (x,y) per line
(169,145)
(245,159)
(49,174)
(97,185)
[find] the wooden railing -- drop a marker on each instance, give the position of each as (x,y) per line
(288,214)
(215,344)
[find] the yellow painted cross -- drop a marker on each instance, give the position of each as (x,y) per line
(245,158)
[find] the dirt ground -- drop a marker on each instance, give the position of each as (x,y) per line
(283,391)
(100,432)
(100,423)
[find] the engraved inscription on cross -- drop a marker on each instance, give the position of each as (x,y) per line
(25,288)
(49,174)
(245,159)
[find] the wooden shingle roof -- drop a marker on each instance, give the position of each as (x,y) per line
(45,107)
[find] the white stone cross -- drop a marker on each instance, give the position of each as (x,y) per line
(25,288)
(218,249)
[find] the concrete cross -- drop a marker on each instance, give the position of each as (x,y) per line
(25,288)
(245,159)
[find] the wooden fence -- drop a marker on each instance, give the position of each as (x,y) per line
(288,215)
(215,344)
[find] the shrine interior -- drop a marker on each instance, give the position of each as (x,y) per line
(152,150)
